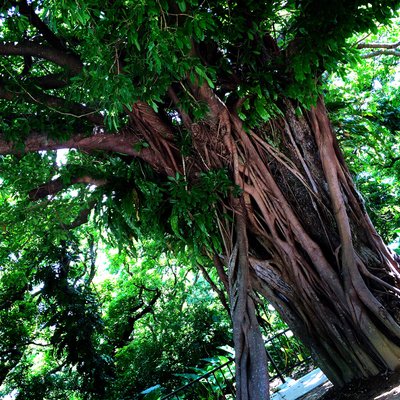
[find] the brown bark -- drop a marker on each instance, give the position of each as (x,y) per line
(387,49)
(125,142)
(60,57)
(57,185)
(313,250)
(53,103)
(304,240)
(219,292)
(300,235)
(29,11)
(216,147)
(250,356)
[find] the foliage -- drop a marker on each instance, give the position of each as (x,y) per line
(73,326)
(214,378)
(185,325)
(105,338)
(135,49)
(72,320)
(364,104)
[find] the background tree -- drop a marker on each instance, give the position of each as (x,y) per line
(74,327)
(202,124)
(363,103)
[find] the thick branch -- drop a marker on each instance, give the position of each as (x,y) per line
(59,105)
(59,57)
(73,64)
(51,81)
(55,186)
(123,143)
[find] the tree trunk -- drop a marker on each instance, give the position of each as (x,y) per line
(250,356)
(305,242)
(313,251)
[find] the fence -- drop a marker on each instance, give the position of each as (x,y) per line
(220,380)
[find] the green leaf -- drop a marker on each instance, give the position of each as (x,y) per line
(182,5)
(260,105)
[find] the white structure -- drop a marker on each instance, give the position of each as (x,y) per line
(292,389)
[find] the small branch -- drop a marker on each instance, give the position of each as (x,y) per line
(72,62)
(391,163)
(59,57)
(75,110)
(81,219)
(382,53)
(55,186)
(142,287)
(385,49)
(124,336)
(219,292)
(378,45)
(28,11)
(149,306)
(58,368)
(92,250)
(51,81)
(46,190)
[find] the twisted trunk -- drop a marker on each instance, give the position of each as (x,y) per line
(303,240)
(314,253)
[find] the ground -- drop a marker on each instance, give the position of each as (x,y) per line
(382,387)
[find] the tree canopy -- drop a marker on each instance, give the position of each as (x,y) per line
(101,60)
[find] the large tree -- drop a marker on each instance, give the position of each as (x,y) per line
(219,108)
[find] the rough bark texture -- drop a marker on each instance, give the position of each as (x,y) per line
(304,240)
(300,236)
(312,249)
(250,357)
